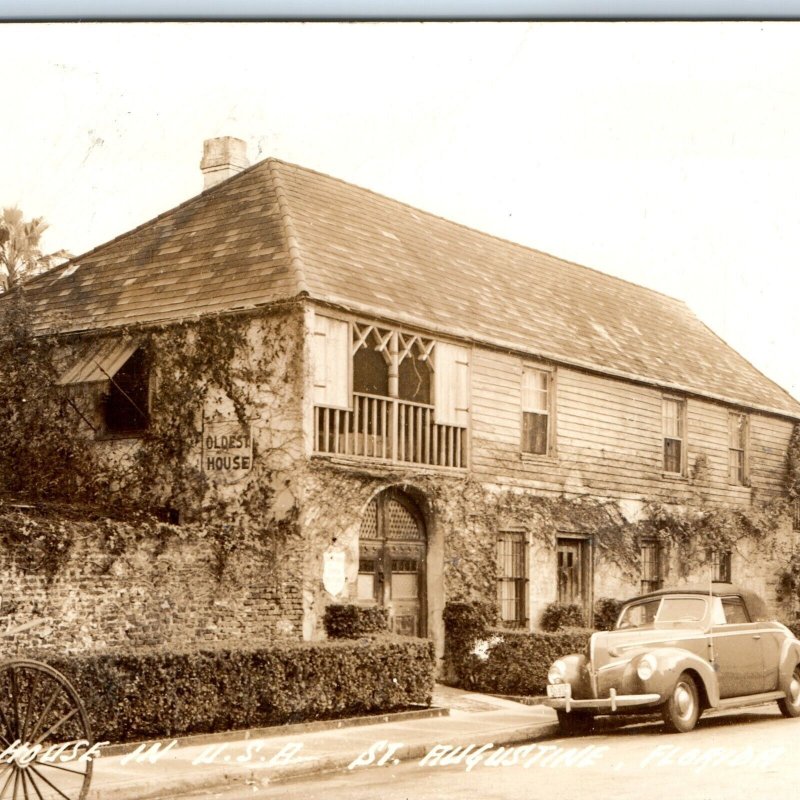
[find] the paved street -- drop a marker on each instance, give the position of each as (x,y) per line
(744,754)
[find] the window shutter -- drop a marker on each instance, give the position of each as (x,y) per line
(451,369)
(331,362)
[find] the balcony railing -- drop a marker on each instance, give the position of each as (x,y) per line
(391,430)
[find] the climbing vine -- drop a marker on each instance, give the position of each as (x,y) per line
(222,367)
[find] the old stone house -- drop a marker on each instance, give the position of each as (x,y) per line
(435,412)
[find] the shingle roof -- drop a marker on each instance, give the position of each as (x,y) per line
(277,230)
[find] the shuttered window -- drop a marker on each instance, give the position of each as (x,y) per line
(536,423)
(331,362)
(451,375)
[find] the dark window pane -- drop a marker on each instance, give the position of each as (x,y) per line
(534,433)
(414,380)
(672,455)
(370,373)
(125,406)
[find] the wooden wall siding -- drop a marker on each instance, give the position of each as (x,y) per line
(609,438)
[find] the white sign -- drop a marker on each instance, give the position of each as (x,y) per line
(333,573)
(227,451)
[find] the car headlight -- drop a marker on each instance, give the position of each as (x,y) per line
(557,672)
(646,667)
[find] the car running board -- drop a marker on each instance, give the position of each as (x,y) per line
(750,700)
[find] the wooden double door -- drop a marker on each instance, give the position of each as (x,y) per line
(391,567)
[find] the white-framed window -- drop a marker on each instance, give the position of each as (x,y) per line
(537,408)
(512,579)
(674,432)
(738,436)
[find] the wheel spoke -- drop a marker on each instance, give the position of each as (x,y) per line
(44,713)
(25,785)
(7,725)
(16,783)
(7,780)
(35,787)
(58,766)
(15,704)
(54,728)
(31,697)
(51,785)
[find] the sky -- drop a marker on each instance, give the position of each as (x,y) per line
(667,154)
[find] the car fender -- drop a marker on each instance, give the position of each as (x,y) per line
(671,662)
(789,659)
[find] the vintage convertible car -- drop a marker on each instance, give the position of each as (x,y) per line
(680,651)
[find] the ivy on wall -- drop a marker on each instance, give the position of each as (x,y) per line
(210,366)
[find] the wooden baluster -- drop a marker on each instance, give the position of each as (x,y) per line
(374,427)
(458,447)
(450,447)
(356,423)
(384,430)
(346,417)
(418,432)
(402,455)
(427,436)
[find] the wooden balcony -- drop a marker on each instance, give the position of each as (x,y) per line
(391,430)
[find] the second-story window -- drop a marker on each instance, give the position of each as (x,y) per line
(536,411)
(674,428)
(737,448)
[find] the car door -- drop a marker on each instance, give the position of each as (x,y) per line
(738,649)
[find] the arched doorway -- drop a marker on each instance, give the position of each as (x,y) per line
(391,560)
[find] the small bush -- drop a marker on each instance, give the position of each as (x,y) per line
(606,612)
(153,694)
(464,623)
(353,622)
(517,663)
(558,616)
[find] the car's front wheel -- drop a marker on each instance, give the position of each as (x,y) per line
(790,705)
(575,723)
(682,709)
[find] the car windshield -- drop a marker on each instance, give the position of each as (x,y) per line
(662,609)
(637,615)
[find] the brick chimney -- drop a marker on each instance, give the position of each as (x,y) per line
(223,158)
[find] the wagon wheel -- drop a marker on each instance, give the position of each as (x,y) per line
(41,712)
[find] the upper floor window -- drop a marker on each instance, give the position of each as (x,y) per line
(674,429)
(122,366)
(738,434)
(536,411)
(126,404)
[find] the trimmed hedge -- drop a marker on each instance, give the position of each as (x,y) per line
(352,622)
(557,616)
(151,694)
(517,662)
(481,657)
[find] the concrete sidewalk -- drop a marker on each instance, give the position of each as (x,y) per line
(263,756)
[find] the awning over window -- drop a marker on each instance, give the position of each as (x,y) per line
(100,363)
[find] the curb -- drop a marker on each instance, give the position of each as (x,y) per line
(153,788)
(316,726)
